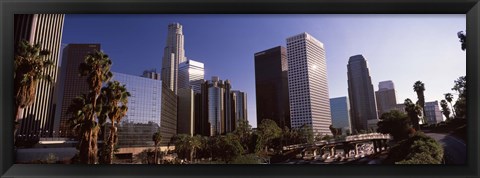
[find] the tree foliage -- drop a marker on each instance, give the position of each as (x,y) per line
(418,149)
(461,104)
(267,131)
(445,109)
(396,124)
(463,40)
(414,112)
(419,88)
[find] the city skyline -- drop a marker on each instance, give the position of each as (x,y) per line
(236,53)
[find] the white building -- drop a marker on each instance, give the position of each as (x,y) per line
(173,54)
(307,83)
(433,114)
(191,75)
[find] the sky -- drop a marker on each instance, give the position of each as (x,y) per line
(401,48)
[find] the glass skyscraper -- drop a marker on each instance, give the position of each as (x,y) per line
(386,97)
(191,75)
(216,107)
(361,94)
(239,107)
(145,116)
(271,86)
(307,83)
(340,110)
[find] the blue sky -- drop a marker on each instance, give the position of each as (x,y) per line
(401,48)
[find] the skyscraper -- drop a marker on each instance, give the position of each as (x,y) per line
(47,30)
(239,107)
(191,75)
(216,107)
(271,86)
(186,111)
(307,83)
(173,54)
(340,110)
(433,114)
(386,97)
(73,84)
(360,91)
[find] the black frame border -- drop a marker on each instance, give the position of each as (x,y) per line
(9,7)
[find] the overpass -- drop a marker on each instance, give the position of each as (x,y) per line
(348,143)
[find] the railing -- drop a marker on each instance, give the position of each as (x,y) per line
(370,136)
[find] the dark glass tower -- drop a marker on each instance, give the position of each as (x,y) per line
(271,86)
(361,94)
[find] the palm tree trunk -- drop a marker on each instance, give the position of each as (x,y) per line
(156,156)
(18,118)
(453,110)
(111,143)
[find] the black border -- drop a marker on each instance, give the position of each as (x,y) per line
(9,7)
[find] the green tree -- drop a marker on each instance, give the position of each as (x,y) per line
(414,112)
(244,132)
(230,147)
(156,138)
(306,134)
(182,145)
(396,124)
(419,88)
(267,131)
(195,144)
(78,113)
(418,149)
(461,104)
(97,70)
(114,99)
(445,109)
(449,98)
(30,65)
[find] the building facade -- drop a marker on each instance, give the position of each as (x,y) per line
(173,54)
(73,84)
(307,83)
(149,111)
(239,108)
(45,29)
(386,97)
(271,86)
(190,75)
(340,110)
(361,94)
(186,111)
(216,102)
(433,114)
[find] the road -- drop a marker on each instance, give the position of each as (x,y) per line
(455,150)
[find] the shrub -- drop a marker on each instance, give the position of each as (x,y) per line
(418,149)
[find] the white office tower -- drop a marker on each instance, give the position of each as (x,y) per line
(307,83)
(191,75)
(173,54)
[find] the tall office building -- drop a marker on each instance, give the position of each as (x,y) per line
(73,85)
(191,75)
(433,114)
(361,94)
(271,86)
(47,30)
(386,97)
(216,107)
(307,83)
(173,54)
(340,110)
(239,108)
(186,111)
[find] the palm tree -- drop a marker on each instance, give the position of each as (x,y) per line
(195,143)
(156,138)
(79,111)
(413,111)
(419,88)
(30,64)
(114,99)
(97,70)
(449,98)
(445,109)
